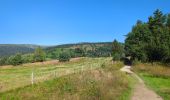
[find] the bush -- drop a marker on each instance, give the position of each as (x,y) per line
(39,55)
(15,60)
(3,61)
(28,58)
(118,51)
(116,57)
(63,57)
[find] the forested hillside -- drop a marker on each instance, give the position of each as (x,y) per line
(11,49)
(81,49)
(19,54)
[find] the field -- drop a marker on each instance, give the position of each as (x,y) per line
(156,77)
(79,79)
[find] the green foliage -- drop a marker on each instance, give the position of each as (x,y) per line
(64,57)
(116,57)
(159,85)
(118,51)
(81,50)
(28,58)
(3,61)
(15,60)
(150,41)
(39,55)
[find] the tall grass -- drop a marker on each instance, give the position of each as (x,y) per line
(105,82)
(19,76)
(155,70)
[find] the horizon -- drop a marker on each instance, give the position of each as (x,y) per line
(60,44)
(51,23)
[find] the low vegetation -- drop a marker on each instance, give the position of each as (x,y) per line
(156,76)
(102,83)
(12,77)
(64,57)
(18,59)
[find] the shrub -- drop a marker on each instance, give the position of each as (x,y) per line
(118,51)
(15,60)
(63,57)
(28,58)
(116,57)
(39,55)
(79,52)
(3,61)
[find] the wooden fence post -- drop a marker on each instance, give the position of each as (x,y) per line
(32,78)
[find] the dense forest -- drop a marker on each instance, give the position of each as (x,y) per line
(150,41)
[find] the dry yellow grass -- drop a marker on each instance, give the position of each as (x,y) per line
(156,70)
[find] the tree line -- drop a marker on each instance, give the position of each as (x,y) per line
(17,59)
(150,41)
(62,54)
(81,50)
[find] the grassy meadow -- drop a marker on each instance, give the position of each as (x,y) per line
(156,77)
(79,79)
(12,77)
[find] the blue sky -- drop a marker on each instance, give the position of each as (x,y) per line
(52,22)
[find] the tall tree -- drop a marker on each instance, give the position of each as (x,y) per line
(117,50)
(137,40)
(150,41)
(39,55)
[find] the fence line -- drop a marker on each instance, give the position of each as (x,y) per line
(37,76)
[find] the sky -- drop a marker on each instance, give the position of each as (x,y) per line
(53,22)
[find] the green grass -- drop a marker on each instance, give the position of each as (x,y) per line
(103,82)
(158,84)
(156,77)
(19,76)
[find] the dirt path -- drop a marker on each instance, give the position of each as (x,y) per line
(141,92)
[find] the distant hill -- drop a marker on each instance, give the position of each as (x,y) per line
(84,45)
(98,49)
(11,49)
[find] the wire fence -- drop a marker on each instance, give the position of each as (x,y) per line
(36,76)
